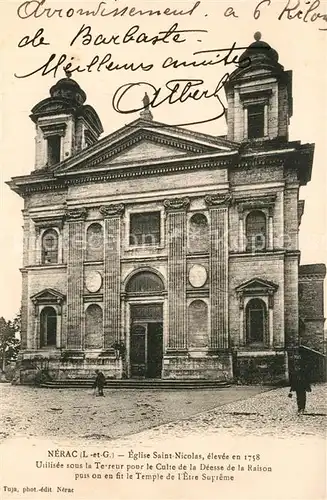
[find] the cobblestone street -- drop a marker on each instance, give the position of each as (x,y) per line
(78,414)
(269,414)
(275,454)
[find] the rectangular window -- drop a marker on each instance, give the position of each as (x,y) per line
(54,145)
(144,229)
(256,121)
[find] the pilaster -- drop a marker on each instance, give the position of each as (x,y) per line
(218,268)
(75,219)
(24,310)
(176,236)
(111,287)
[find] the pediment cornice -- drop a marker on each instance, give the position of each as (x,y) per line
(29,184)
(48,296)
(181,145)
(257,285)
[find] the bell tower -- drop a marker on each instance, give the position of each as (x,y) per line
(259,96)
(64,124)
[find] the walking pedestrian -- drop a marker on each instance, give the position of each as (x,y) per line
(99,382)
(300,385)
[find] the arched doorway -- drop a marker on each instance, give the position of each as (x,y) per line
(144,291)
(48,327)
(256,321)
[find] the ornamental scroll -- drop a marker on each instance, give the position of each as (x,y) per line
(176,204)
(76,214)
(215,200)
(112,210)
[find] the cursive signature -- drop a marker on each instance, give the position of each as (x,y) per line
(172,92)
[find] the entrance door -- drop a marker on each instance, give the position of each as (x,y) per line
(146,341)
(138,350)
(154,351)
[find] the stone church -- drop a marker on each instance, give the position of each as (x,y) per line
(159,252)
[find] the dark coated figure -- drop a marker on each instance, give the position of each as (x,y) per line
(300,384)
(99,382)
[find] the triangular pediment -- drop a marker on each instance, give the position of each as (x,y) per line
(146,150)
(48,296)
(257,285)
(144,142)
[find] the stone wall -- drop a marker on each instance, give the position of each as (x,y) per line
(260,367)
(243,268)
(311,306)
(215,367)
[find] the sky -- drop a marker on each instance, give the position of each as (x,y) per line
(301,47)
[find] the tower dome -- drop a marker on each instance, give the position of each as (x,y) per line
(259,49)
(64,124)
(67,88)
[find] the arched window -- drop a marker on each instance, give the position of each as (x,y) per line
(145,282)
(93,327)
(50,247)
(198,324)
(48,327)
(256,321)
(198,236)
(94,242)
(256,231)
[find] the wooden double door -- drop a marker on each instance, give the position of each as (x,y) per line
(146,343)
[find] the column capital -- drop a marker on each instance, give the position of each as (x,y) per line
(115,210)
(176,204)
(76,214)
(218,200)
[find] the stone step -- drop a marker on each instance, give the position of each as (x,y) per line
(139,384)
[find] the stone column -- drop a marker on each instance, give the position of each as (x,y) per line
(176,244)
(59,342)
(270,245)
(241,233)
(218,265)
(24,311)
(241,341)
(265,123)
(111,284)
(76,225)
(35,341)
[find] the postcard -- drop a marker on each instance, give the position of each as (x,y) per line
(163,258)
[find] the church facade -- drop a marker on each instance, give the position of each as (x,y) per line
(159,252)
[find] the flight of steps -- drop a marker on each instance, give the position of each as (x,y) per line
(138,384)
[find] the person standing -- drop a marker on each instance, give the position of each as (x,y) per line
(300,385)
(99,383)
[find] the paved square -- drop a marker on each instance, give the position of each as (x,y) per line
(77,413)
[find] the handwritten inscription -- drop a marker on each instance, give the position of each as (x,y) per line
(175,90)
(134,34)
(307,11)
(97,63)
(37,9)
